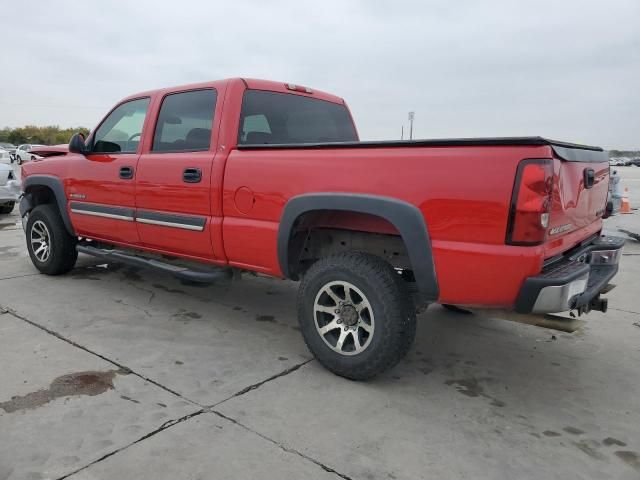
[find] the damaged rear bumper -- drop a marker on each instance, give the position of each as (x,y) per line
(10,192)
(575,282)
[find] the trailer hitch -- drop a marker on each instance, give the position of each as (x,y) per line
(596,303)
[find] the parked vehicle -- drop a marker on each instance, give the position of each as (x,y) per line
(617,162)
(9,189)
(278,183)
(24,154)
(636,162)
(5,156)
(9,147)
(615,195)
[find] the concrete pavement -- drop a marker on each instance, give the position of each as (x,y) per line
(114,372)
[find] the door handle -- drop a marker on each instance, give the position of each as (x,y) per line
(126,173)
(589,177)
(192,175)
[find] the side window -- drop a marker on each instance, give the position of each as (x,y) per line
(255,128)
(122,129)
(185,121)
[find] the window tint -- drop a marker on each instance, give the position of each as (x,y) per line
(185,121)
(122,129)
(270,117)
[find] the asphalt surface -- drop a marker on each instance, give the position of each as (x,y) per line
(115,372)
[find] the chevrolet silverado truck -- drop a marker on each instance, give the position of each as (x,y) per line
(206,180)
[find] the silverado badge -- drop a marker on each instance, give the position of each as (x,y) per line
(560,229)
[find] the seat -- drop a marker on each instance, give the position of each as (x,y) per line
(198,139)
(255,138)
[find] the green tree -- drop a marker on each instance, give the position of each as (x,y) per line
(47,135)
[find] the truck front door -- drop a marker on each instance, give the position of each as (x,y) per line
(101,189)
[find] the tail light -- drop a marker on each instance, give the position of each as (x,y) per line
(530,203)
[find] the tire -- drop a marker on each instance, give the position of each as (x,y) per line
(380,307)
(45,223)
(19,160)
(7,208)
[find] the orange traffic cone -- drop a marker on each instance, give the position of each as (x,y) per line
(625,206)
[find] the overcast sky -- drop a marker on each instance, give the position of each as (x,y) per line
(566,69)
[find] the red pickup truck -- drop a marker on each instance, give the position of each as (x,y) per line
(205,180)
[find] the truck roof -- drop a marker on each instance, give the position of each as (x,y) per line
(250,83)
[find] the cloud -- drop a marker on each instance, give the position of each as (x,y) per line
(568,70)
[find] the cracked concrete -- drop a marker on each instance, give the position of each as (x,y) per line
(113,372)
(50,439)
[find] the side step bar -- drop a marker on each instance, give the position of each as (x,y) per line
(183,273)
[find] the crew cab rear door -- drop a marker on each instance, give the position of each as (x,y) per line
(101,189)
(174,179)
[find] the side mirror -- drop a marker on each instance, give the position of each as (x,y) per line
(76,144)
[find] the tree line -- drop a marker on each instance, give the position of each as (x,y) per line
(624,153)
(49,135)
(54,135)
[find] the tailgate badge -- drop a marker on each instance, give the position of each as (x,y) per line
(560,229)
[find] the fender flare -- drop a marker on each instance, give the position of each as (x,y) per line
(53,183)
(405,217)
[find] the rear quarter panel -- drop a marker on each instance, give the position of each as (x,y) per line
(466,215)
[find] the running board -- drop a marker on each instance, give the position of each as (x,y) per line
(180,272)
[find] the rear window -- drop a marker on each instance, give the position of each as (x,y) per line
(281,118)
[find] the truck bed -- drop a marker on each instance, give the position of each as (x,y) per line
(588,153)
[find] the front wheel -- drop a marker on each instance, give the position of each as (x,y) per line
(51,248)
(355,314)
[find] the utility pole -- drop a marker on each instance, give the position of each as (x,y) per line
(411,116)
(402,133)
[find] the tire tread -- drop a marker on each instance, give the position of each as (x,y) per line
(64,253)
(397,310)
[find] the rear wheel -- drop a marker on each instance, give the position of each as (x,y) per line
(51,248)
(355,314)
(7,208)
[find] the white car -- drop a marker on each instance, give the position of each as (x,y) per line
(23,153)
(5,156)
(9,189)
(9,147)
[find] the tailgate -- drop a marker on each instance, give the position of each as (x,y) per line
(581,182)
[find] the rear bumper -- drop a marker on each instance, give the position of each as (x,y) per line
(10,192)
(575,282)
